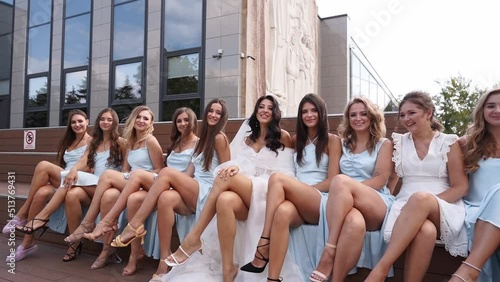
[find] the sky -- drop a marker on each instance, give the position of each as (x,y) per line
(414,43)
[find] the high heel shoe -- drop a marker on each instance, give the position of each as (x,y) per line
(30,229)
(101,262)
(101,227)
(117,242)
(135,261)
(175,262)
(72,255)
(469,265)
(249,267)
(77,235)
(11,224)
(322,276)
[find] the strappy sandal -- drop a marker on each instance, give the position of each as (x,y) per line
(117,242)
(77,235)
(249,267)
(101,262)
(469,265)
(175,262)
(29,229)
(112,228)
(322,276)
(272,279)
(72,255)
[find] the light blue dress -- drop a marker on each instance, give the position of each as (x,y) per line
(359,167)
(307,241)
(178,161)
(483,202)
(91,179)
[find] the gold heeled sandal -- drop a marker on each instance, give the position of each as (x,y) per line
(117,242)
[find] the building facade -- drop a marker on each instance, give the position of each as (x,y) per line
(60,55)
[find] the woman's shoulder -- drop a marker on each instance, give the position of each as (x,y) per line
(286,139)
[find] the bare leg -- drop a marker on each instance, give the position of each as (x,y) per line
(346,195)
(486,241)
(286,215)
(74,199)
(45,172)
(136,250)
(41,197)
(420,208)
(350,244)
(230,207)
(419,252)
(238,184)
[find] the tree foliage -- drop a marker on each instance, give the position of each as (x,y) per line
(455,104)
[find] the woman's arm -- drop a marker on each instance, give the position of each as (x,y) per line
(459,183)
(383,167)
(81,165)
(155,153)
(334,153)
(222,148)
(286,139)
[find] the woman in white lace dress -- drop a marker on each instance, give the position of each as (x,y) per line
(434,182)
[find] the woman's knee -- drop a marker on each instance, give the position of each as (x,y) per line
(354,224)
(420,200)
(428,231)
(109,197)
(284,214)
(43,194)
(339,182)
(276,179)
(227,201)
(74,195)
(135,200)
(43,166)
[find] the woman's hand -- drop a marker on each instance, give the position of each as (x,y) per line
(228,171)
(71,178)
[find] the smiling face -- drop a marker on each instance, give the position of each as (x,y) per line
(106,121)
(214,114)
(414,118)
(358,117)
(182,122)
(492,110)
(79,124)
(310,115)
(143,120)
(265,111)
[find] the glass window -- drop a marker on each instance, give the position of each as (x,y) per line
(183,21)
(77,41)
(128,81)
(373,92)
(365,74)
(8,1)
(365,88)
(355,66)
(6,14)
(40,12)
(65,115)
(37,92)
(121,1)
(75,88)
(5,55)
(39,49)
(124,111)
(4,87)
(128,35)
(4,111)
(182,74)
(76,7)
(35,119)
(355,86)
(170,106)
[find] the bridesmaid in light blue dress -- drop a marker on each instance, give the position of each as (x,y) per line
(482,204)
(178,192)
(358,198)
(77,181)
(183,140)
(46,176)
(297,201)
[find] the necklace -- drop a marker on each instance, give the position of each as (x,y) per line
(312,140)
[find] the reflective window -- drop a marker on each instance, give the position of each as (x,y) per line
(37,92)
(169,107)
(183,23)
(123,111)
(5,56)
(128,35)
(128,81)
(6,15)
(7,1)
(39,49)
(77,41)
(35,119)
(4,87)
(76,7)
(40,12)
(75,88)
(65,115)
(182,74)
(4,111)
(122,1)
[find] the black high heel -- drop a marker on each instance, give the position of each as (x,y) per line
(30,230)
(249,267)
(272,279)
(72,256)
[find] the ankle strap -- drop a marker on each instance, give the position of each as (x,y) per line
(265,238)
(472,266)
(272,279)
(330,245)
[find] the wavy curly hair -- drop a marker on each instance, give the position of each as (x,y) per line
(423,101)
(129,132)
(480,142)
(175,134)
(273,134)
(377,124)
(68,137)
(115,156)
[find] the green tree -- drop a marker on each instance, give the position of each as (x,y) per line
(455,104)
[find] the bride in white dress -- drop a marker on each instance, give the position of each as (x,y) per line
(260,148)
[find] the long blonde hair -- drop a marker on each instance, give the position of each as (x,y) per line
(129,132)
(480,142)
(377,124)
